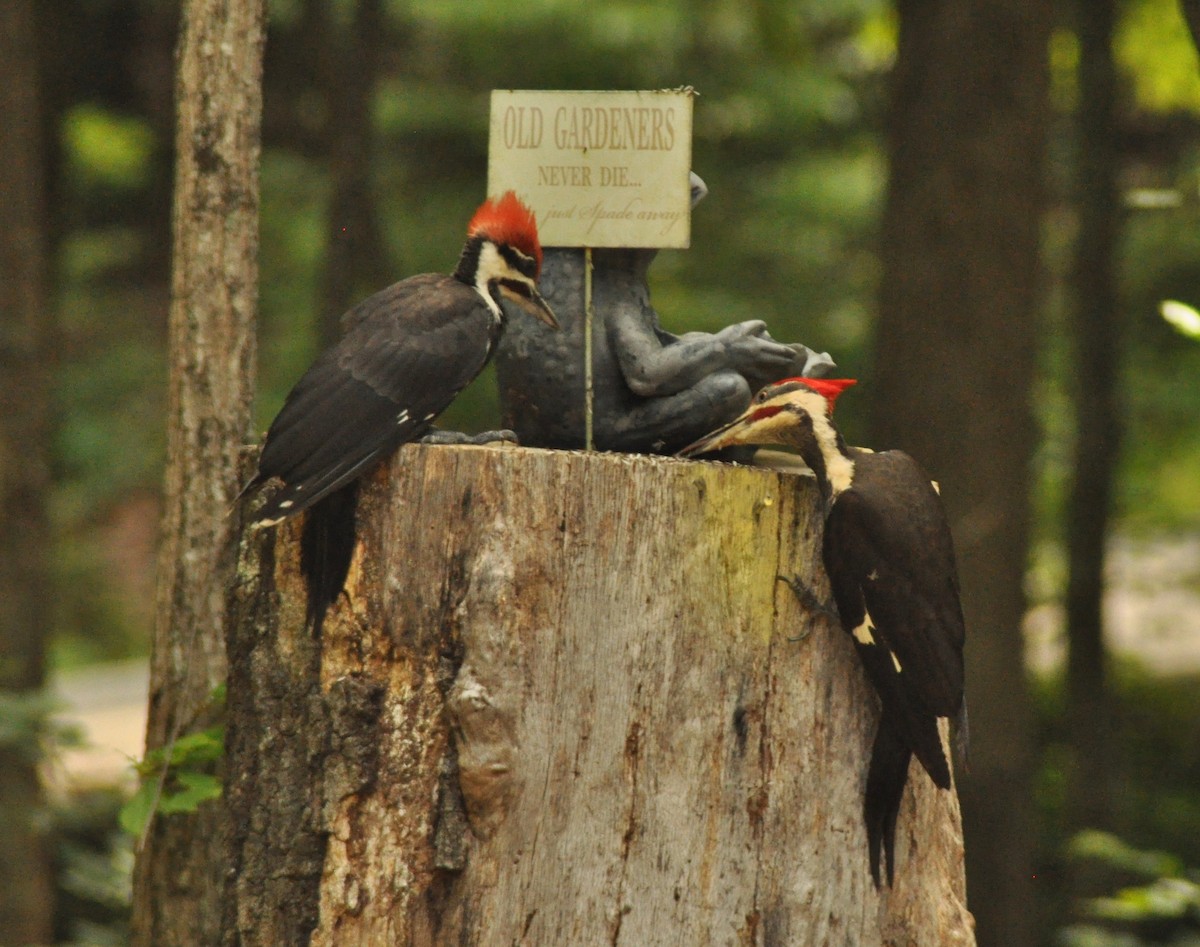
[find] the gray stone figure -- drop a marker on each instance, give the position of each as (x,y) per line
(654,392)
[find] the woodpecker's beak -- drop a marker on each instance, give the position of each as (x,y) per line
(738,431)
(529,299)
(540,309)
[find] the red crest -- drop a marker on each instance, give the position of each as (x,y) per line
(505,219)
(829,387)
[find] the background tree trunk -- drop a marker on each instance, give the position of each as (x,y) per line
(214,294)
(355,264)
(564,700)
(1191,14)
(1098,418)
(26,883)
(953,370)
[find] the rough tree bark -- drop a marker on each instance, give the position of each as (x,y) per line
(26,879)
(564,700)
(954,365)
(213,299)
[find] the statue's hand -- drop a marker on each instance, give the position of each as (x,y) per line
(754,354)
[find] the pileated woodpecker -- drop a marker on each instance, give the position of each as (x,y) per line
(409,350)
(889,556)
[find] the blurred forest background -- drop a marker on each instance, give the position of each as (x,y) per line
(374,155)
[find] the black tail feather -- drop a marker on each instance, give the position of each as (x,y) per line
(326,548)
(926,743)
(886,777)
(962,739)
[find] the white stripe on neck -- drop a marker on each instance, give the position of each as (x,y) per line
(491,265)
(839,469)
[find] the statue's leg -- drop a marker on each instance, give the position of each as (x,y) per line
(665,425)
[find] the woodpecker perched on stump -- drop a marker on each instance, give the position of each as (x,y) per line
(889,556)
(407,352)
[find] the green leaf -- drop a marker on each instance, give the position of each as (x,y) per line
(198,788)
(1106,848)
(1182,316)
(135,814)
(204,746)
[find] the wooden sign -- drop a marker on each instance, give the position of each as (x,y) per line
(600,169)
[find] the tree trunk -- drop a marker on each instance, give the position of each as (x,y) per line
(564,700)
(26,881)
(1191,14)
(355,262)
(214,295)
(1098,415)
(954,366)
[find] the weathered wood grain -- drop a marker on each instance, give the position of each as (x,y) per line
(565,701)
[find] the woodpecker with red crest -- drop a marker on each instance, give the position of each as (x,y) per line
(889,556)
(407,352)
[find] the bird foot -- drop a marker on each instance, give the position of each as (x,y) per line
(457,437)
(808,599)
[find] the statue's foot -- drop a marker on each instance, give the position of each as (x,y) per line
(816,364)
(803,362)
(477,440)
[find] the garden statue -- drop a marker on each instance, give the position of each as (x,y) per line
(653,392)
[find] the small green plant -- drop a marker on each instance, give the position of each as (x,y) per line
(189,779)
(178,777)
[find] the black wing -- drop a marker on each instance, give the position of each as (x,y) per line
(888,541)
(411,349)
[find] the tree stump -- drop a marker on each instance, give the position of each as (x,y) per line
(565,701)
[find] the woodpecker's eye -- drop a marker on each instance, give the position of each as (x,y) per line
(760,397)
(526,265)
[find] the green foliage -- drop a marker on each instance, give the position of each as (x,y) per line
(190,779)
(1158,482)
(1154,771)
(180,776)
(1163,909)
(94,866)
(106,150)
(1155,758)
(28,727)
(1155,50)
(92,861)
(1107,848)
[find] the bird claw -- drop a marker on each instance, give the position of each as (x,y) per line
(809,600)
(459,438)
